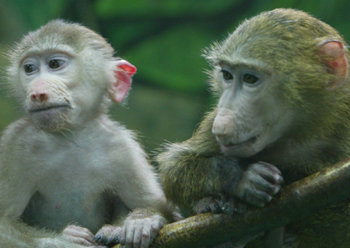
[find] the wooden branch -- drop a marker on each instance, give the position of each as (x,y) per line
(295,202)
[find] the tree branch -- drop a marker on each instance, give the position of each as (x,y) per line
(295,202)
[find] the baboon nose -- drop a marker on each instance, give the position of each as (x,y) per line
(39,97)
(223,126)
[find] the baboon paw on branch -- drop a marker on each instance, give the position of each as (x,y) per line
(295,202)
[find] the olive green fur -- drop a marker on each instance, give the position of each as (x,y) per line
(190,162)
(285,43)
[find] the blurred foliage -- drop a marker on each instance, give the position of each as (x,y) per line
(165,40)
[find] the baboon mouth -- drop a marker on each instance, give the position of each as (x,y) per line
(46,108)
(231,145)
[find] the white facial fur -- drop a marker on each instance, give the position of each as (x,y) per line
(62,97)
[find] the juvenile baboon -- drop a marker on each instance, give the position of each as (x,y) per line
(66,166)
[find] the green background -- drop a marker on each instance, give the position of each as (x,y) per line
(165,40)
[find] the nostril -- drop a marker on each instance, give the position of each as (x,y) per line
(43,97)
(33,97)
(222,130)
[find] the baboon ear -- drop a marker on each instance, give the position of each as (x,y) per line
(335,59)
(123,73)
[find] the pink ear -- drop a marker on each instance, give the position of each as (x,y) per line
(123,75)
(335,60)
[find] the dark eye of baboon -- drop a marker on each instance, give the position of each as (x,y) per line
(250,78)
(226,75)
(29,68)
(55,63)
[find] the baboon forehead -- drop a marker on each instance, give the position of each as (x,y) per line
(61,33)
(280,32)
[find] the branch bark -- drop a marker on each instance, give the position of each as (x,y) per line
(297,200)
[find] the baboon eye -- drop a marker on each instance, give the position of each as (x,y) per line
(56,63)
(226,75)
(250,78)
(29,68)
